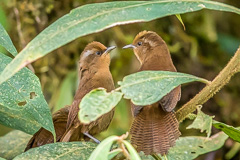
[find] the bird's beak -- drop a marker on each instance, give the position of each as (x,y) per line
(129,46)
(109,49)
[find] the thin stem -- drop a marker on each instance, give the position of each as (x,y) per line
(20,34)
(155,156)
(122,147)
(212,88)
(117,89)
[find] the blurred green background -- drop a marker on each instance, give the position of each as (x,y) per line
(203,49)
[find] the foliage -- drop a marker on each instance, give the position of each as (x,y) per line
(14,144)
(22,103)
(96,103)
(23,106)
(202,122)
(6,41)
(143,87)
(231,131)
(60,150)
(77,22)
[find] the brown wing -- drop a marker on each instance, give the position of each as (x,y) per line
(169,101)
(89,82)
(43,136)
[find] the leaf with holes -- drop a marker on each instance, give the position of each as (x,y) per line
(202,122)
(96,103)
(60,150)
(193,146)
(14,144)
(148,87)
(6,41)
(231,131)
(22,104)
(80,22)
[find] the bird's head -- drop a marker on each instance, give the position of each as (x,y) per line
(95,55)
(144,43)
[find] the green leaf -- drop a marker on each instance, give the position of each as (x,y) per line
(193,146)
(67,89)
(80,22)
(202,122)
(6,41)
(231,131)
(22,104)
(148,87)
(180,19)
(133,153)
(13,144)
(60,150)
(113,153)
(96,103)
(102,150)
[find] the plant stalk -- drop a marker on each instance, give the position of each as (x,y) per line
(212,88)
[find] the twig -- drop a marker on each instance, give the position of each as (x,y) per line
(20,34)
(122,147)
(19,28)
(211,89)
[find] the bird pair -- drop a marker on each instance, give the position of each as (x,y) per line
(155,127)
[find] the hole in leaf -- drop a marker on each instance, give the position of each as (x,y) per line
(32,95)
(193,152)
(85,115)
(22,103)
(200,146)
(220,126)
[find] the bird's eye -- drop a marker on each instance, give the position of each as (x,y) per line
(139,43)
(98,53)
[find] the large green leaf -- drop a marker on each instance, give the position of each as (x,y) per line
(6,41)
(231,131)
(191,147)
(148,87)
(80,22)
(22,104)
(60,150)
(14,144)
(96,103)
(102,150)
(202,122)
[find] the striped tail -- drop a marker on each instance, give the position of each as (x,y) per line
(154,130)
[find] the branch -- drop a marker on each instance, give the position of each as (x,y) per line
(212,88)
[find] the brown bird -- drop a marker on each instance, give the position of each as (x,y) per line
(155,127)
(93,73)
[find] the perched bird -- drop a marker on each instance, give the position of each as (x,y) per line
(155,127)
(93,73)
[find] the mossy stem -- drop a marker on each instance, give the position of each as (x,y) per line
(212,88)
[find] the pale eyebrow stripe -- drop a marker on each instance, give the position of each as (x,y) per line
(86,54)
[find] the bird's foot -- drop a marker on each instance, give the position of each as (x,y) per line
(91,137)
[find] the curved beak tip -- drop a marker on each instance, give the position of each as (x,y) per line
(129,46)
(109,49)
